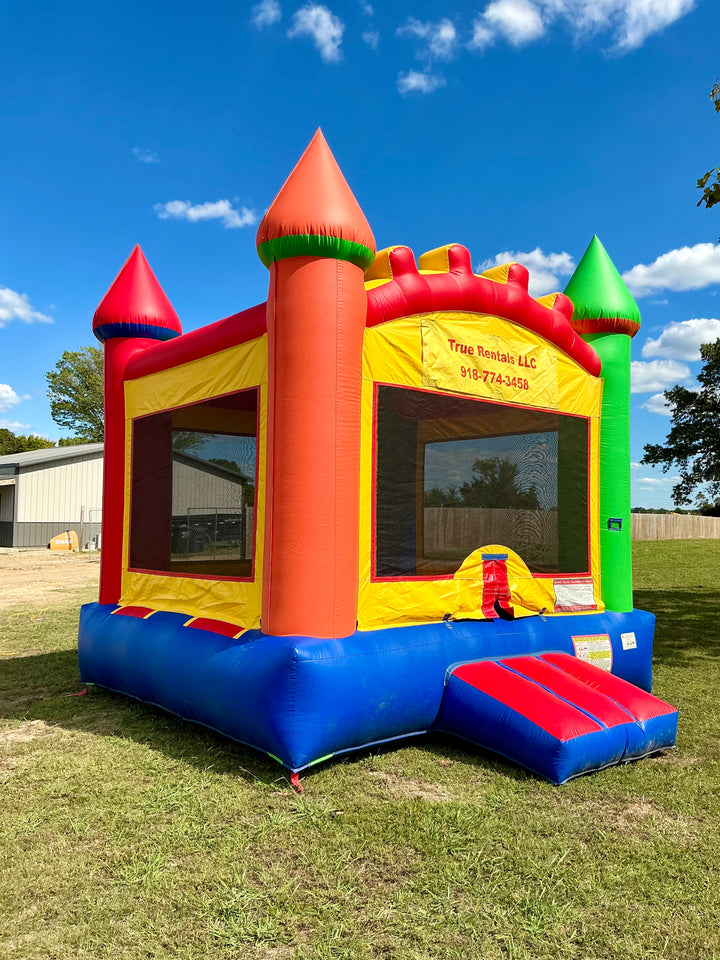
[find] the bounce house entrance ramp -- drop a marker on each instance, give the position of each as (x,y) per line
(554,714)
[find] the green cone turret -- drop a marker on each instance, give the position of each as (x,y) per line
(607,316)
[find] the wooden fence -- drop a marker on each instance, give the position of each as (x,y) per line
(674,526)
(450,529)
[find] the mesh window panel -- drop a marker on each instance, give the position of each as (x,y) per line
(193,488)
(456,474)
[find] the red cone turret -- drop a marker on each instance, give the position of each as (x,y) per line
(136,305)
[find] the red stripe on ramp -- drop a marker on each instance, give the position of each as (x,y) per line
(544,709)
(603,708)
(642,705)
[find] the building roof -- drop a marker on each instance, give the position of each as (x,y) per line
(32,457)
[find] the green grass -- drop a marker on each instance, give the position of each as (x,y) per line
(127,834)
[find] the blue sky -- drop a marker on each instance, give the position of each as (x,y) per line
(518,128)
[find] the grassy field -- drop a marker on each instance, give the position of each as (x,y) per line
(126,833)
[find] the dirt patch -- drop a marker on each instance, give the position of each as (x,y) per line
(26,732)
(406,788)
(641,818)
(278,952)
(674,758)
(41,578)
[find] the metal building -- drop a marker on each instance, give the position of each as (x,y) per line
(45,492)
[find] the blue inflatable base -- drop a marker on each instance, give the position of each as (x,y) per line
(303,699)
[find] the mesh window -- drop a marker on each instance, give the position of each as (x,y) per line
(193,488)
(456,474)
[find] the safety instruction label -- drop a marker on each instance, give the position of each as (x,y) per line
(484,365)
(596,649)
(629,641)
(573,594)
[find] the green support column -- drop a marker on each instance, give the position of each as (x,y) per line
(615,542)
(606,316)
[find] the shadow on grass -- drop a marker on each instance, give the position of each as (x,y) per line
(687,624)
(39,687)
(36,687)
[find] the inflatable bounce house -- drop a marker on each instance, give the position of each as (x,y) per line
(392,499)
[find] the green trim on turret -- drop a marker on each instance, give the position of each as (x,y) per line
(597,290)
(312,245)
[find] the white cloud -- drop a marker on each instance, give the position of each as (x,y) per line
(687,268)
(681,340)
(221,210)
(652,481)
(656,375)
(657,404)
(440,38)
(265,13)
(8,397)
(372,38)
(517,21)
(145,156)
(545,268)
(630,22)
(638,19)
(414,81)
(367,9)
(326,30)
(635,466)
(17,306)
(13,424)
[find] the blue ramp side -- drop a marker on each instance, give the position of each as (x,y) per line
(542,716)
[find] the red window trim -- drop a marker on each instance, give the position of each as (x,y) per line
(193,576)
(447,393)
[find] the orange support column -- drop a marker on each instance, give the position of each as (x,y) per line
(316,241)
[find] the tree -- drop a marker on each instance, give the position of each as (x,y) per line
(494,484)
(693,443)
(437,497)
(711,191)
(18,443)
(76,393)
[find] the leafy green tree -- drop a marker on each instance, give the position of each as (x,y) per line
(437,497)
(495,484)
(75,389)
(18,443)
(711,188)
(693,443)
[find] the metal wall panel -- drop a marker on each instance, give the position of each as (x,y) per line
(50,493)
(196,489)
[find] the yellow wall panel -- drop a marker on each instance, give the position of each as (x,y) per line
(238,368)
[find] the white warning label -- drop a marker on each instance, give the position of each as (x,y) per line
(573,594)
(629,641)
(594,648)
